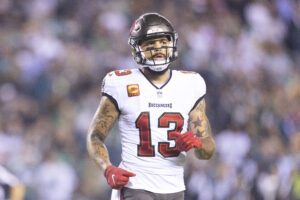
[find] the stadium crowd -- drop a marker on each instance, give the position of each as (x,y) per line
(54,54)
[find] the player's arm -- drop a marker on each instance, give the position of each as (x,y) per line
(199,124)
(104,119)
(102,122)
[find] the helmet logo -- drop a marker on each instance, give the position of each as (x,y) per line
(154,30)
(136,26)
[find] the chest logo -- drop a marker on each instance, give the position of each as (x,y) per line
(133,90)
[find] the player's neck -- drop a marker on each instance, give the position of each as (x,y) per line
(156,78)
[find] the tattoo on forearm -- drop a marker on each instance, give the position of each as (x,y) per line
(207,149)
(199,124)
(102,123)
(100,154)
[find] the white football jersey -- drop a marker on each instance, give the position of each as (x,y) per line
(149,115)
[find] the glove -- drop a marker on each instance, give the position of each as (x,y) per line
(187,140)
(117,177)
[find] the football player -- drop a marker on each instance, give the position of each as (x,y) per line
(160,113)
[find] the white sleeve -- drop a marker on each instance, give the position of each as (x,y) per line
(199,88)
(110,88)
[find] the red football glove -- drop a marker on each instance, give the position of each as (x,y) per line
(117,177)
(187,140)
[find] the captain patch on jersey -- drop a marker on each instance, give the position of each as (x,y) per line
(133,90)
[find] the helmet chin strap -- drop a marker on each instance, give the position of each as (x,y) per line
(154,70)
(158,68)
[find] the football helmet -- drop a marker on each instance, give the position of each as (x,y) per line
(148,26)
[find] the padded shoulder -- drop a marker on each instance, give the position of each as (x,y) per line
(194,80)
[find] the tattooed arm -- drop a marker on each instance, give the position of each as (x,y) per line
(199,124)
(100,126)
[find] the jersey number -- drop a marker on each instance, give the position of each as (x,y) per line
(122,72)
(145,148)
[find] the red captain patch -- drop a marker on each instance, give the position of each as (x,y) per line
(133,90)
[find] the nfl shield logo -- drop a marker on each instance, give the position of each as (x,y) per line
(159,93)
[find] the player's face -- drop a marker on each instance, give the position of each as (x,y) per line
(153,48)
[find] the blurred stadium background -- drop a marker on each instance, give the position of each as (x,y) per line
(54,54)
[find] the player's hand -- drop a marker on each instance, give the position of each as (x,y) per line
(187,140)
(117,177)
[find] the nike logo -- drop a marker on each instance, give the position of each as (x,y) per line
(112,176)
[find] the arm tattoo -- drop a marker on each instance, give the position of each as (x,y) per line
(199,124)
(99,152)
(102,122)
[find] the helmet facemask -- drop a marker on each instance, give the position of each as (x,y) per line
(169,52)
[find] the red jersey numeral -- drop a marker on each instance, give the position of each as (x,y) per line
(122,72)
(145,148)
(143,124)
(164,121)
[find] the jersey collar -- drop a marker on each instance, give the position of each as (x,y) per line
(170,76)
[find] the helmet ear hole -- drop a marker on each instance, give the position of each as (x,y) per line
(137,59)
(175,54)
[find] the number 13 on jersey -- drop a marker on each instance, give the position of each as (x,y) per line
(145,148)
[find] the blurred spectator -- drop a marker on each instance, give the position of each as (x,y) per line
(228,140)
(55,179)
